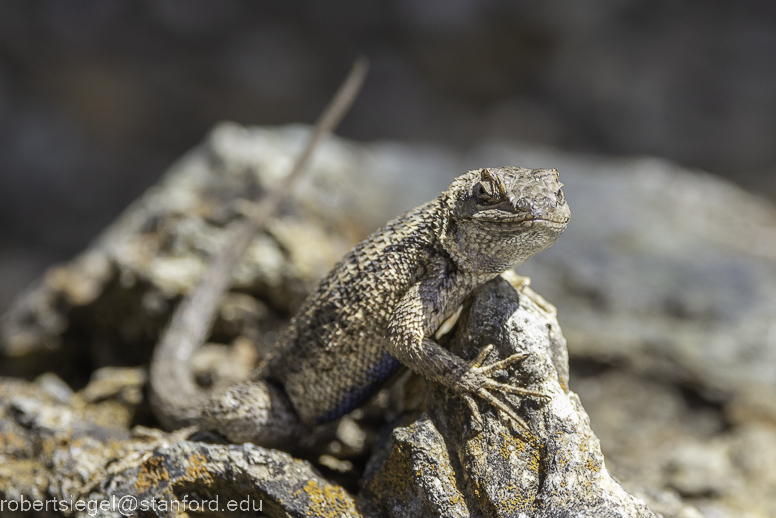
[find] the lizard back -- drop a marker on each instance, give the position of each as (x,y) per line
(332,357)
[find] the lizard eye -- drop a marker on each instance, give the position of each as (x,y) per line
(487,193)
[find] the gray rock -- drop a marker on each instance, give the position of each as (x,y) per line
(442,465)
(669,270)
(112,300)
(85,452)
(446,464)
(226,481)
(665,282)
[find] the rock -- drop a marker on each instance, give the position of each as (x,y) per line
(702,468)
(112,301)
(412,475)
(86,453)
(50,447)
(650,271)
(227,480)
(665,283)
(671,271)
(124,384)
(446,464)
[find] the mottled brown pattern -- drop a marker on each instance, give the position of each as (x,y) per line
(386,297)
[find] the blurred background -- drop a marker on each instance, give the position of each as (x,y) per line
(665,279)
(98,97)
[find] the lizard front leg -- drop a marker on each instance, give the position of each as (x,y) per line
(414,319)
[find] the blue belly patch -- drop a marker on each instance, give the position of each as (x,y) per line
(357,396)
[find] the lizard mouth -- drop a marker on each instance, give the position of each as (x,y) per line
(528,221)
(544,221)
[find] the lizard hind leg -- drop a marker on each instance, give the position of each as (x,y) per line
(254,411)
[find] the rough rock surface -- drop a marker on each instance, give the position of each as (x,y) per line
(445,464)
(665,283)
(61,454)
(110,303)
(78,448)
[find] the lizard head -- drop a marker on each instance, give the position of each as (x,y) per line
(499,217)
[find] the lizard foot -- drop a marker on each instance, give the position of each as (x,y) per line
(485,384)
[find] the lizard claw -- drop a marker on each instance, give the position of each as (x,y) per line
(476,370)
(511,389)
(477,362)
(511,414)
(473,407)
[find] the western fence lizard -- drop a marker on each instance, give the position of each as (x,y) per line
(379,307)
(376,310)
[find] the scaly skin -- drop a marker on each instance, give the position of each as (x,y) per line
(381,304)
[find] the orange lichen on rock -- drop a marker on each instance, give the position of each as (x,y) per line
(152,472)
(396,475)
(328,501)
(197,470)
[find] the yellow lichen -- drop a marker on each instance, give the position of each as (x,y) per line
(395,475)
(152,472)
(517,501)
(328,501)
(197,469)
(10,441)
(510,444)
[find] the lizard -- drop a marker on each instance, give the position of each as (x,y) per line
(379,307)
(374,312)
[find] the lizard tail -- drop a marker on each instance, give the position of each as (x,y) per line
(176,398)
